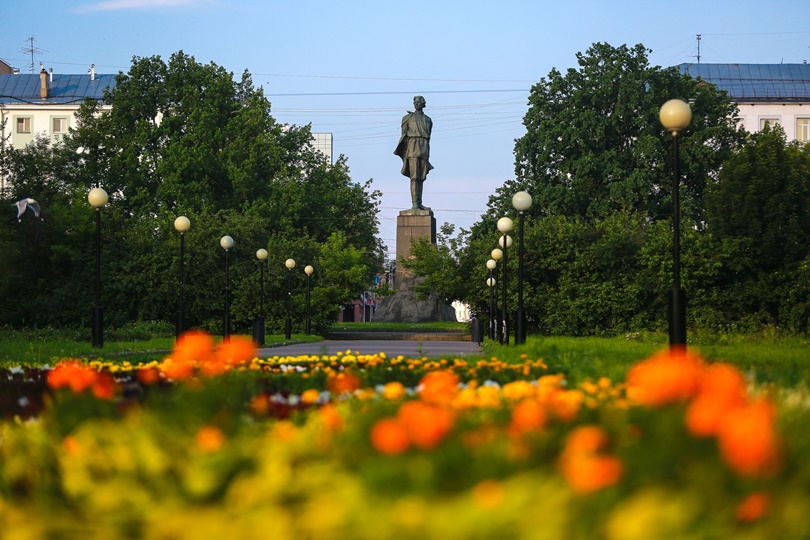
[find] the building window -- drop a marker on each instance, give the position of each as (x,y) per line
(23,124)
(769,122)
(60,125)
(803,129)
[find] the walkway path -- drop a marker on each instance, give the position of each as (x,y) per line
(390,348)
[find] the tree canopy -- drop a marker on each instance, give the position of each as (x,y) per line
(594,145)
(598,237)
(185,138)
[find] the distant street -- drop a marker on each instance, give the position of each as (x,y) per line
(391,348)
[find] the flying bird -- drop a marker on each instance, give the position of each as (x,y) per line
(26,204)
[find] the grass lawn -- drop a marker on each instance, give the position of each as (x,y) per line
(18,348)
(766,358)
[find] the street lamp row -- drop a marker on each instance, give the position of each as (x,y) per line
(98,198)
(675,115)
(521,201)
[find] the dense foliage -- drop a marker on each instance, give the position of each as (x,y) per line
(183,138)
(598,237)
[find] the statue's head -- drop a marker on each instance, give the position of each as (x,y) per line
(419,102)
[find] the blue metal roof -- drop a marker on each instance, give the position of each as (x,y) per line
(24,88)
(756,82)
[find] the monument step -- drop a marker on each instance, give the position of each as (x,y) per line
(451,335)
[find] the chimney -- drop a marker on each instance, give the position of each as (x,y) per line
(43,84)
(92,72)
(50,75)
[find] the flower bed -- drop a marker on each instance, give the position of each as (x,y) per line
(215,443)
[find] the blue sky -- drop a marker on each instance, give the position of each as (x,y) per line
(352,68)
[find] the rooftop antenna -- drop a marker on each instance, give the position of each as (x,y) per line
(32,49)
(698,47)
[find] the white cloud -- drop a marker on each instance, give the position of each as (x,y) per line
(115,5)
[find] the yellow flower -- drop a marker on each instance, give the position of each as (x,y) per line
(393,390)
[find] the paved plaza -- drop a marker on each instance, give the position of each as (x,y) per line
(391,348)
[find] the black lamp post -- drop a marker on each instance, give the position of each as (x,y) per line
(227,243)
(97,199)
(504,226)
(181,225)
(491,285)
(522,201)
(497,255)
(258,322)
(491,265)
(290,264)
(308,270)
(675,116)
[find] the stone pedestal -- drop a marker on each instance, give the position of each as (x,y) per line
(404,306)
(411,224)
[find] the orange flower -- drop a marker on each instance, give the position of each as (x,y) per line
(704,415)
(722,388)
(724,381)
(389,436)
(748,440)
(438,386)
(177,370)
(260,404)
(310,396)
(72,374)
(209,439)
(212,368)
(343,383)
(488,494)
(426,424)
(586,474)
(528,415)
(331,417)
(670,376)
(753,507)
(193,346)
(518,390)
(586,440)
(147,375)
(565,404)
(79,377)
(104,386)
(393,390)
(71,445)
(584,466)
(236,350)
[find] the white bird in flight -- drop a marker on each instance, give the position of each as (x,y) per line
(24,204)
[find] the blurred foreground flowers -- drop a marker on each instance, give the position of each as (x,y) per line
(213,442)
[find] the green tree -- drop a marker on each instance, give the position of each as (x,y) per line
(594,145)
(438,265)
(759,205)
(598,165)
(46,260)
(182,137)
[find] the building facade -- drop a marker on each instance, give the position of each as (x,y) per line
(764,93)
(45,105)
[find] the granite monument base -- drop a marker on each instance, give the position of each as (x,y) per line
(404,305)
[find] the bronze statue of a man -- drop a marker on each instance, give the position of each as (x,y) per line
(414,149)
